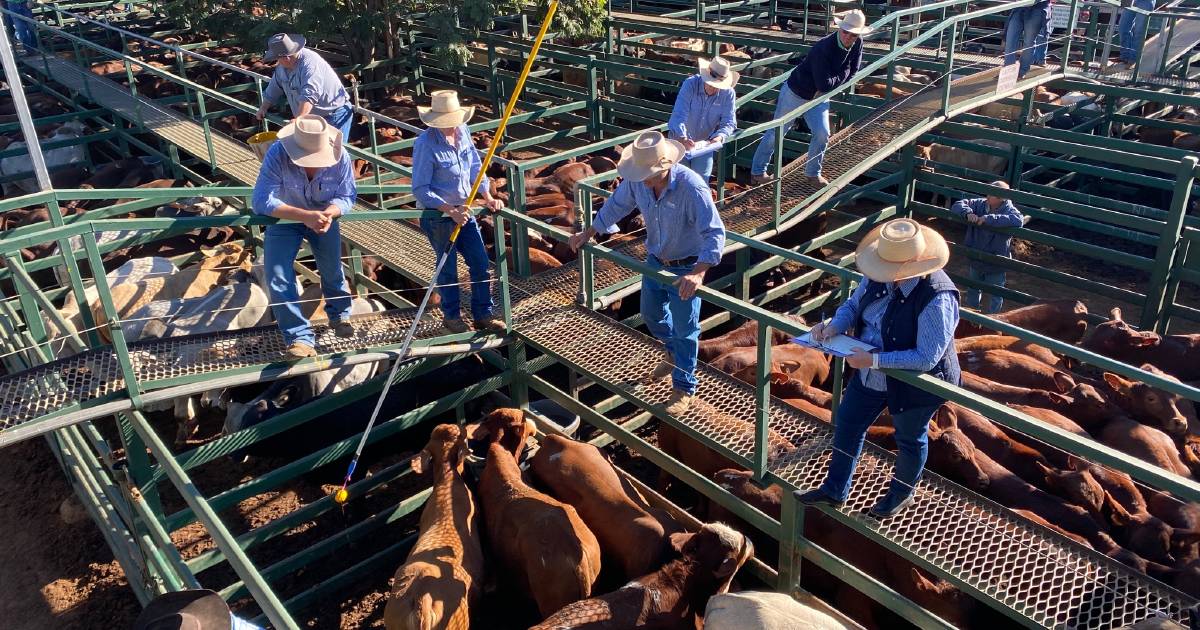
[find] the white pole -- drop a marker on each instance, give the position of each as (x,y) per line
(22,106)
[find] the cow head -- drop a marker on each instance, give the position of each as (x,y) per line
(1143,534)
(952,453)
(1077,486)
(1115,338)
(508,427)
(281,396)
(717,550)
(943,598)
(447,444)
(1153,406)
(1088,402)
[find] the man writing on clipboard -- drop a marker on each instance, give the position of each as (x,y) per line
(906,310)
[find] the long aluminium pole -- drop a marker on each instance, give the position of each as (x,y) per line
(22,107)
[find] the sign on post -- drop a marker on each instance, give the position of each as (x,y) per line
(1060,16)
(1008,77)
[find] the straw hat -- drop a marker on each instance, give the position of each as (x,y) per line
(283,45)
(445,112)
(311,142)
(901,249)
(853,22)
(198,609)
(651,153)
(718,73)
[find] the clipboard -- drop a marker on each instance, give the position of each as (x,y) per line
(839,346)
(702,147)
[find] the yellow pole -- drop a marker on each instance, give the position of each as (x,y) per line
(508,109)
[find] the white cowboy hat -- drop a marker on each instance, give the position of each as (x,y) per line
(445,112)
(283,45)
(310,141)
(718,73)
(650,153)
(853,22)
(901,249)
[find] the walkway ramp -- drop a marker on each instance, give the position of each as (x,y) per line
(1169,45)
(1036,577)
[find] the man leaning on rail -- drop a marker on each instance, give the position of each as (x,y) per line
(907,309)
(684,236)
(306,179)
(828,64)
(308,81)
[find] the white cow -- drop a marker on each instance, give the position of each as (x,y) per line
(759,610)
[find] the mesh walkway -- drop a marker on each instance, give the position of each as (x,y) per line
(1037,576)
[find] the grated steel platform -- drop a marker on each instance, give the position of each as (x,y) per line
(1036,576)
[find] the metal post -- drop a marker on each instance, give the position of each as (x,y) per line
(1066,50)
(502,272)
(587,277)
(839,364)
(520,233)
(762,396)
(790,541)
(593,95)
(948,78)
(904,191)
(1168,243)
(17,92)
(212,155)
(114,321)
(1166,49)
(1113,17)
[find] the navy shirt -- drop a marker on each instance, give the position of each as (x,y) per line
(825,67)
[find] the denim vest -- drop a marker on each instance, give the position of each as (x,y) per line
(900,333)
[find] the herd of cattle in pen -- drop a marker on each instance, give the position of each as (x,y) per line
(570,530)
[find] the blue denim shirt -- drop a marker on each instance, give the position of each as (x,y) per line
(442,173)
(936,326)
(281,182)
(979,237)
(683,222)
(698,116)
(312,80)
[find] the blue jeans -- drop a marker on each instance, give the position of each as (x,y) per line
(702,165)
(342,119)
(1041,44)
(470,244)
(1021,33)
(859,408)
(675,322)
(973,296)
(1132,28)
(817,119)
(24,31)
(281,243)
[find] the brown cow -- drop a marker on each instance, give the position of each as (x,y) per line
(1065,320)
(541,542)
(1000,392)
(1145,442)
(671,598)
(1010,368)
(1026,462)
(1052,527)
(1177,355)
(805,365)
(743,336)
(699,457)
(1006,342)
(1159,408)
(786,387)
(439,582)
(1146,534)
(579,475)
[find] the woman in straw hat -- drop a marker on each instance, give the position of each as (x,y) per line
(310,84)
(684,236)
(306,178)
(831,62)
(445,165)
(907,309)
(704,111)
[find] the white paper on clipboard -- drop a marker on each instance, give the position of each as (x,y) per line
(701,147)
(839,346)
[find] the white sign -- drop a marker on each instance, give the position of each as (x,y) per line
(1060,16)
(1008,78)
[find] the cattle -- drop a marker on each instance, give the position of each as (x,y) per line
(802,363)
(1159,408)
(1019,370)
(1053,418)
(1177,355)
(977,161)
(700,458)
(878,89)
(541,542)
(1146,534)
(953,454)
(579,475)
(1030,516)
(439,582)
(291,393)
(743,336)
(55,158)
(757,610)
(785,387)
(1065,320)
(1026,462)
(132,271)
(671,598)
(1145,442)
(1000,392)
(1006,342)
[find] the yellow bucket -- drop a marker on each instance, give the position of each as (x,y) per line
(262,141)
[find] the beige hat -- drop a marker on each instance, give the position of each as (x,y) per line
(650,153)
(718,73)
(445,112)
(310,141)
(853,22)
(901,249)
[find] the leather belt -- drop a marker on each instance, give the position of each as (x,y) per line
(680,262)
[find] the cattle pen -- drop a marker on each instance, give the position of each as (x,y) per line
(1111,212)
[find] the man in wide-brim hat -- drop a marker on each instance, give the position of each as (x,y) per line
(906,308)
(684,236)
(306,179)
(829,63)
(705,110)
(310,84)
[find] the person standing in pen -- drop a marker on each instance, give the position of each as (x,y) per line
(907,309)
(684,236)
(982,214)
(704,111)
(308,81)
